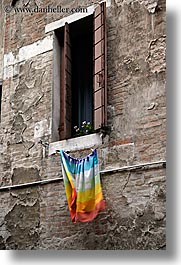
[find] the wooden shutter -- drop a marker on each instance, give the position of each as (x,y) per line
(100,67)
(66,91)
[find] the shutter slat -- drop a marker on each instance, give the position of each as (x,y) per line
(98,35)
(100,67)
(97,11)
(98,50)
(98,22)
(98,101)
(66,92)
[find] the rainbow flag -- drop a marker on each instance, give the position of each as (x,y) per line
(82,186)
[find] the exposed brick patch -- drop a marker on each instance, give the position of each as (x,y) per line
(121,142)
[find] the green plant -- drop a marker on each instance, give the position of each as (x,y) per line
(86,128)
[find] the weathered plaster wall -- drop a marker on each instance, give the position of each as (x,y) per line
(2,23)
(38,217)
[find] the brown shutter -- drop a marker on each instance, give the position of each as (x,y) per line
(100,67)
(66,93)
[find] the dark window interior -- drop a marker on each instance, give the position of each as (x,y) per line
(81,39)
(81,33)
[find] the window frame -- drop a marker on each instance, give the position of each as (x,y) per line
(103,92)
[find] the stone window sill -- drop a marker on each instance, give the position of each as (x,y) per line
(78,143)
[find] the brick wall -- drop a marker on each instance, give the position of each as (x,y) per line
(135,215)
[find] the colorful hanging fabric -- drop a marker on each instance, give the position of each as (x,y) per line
(82,186)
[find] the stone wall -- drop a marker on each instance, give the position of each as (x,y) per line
(135,215)
(2,23)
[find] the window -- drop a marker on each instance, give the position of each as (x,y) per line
(82,72)
(0,98)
